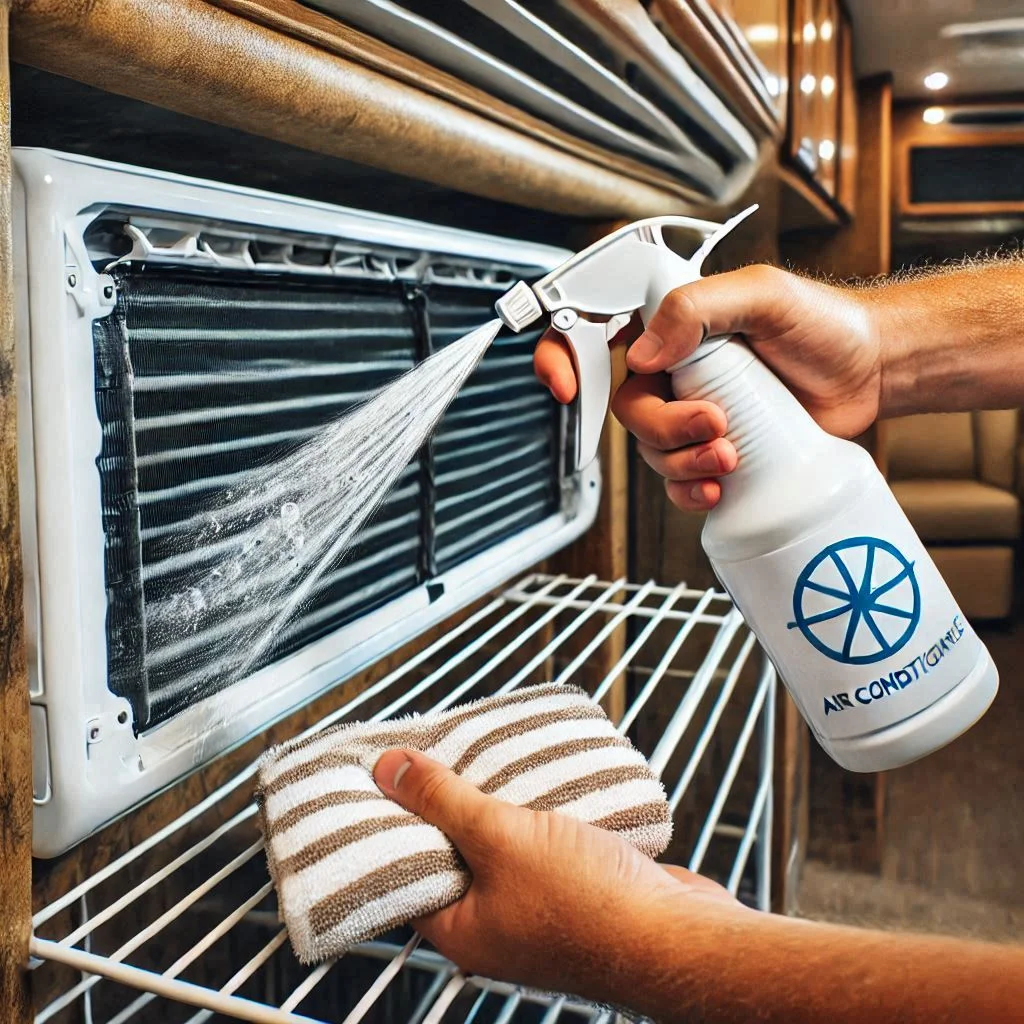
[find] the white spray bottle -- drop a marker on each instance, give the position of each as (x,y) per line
(807,538)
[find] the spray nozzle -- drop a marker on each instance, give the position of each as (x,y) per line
(519,307)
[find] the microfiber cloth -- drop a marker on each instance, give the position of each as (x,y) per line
(349,863)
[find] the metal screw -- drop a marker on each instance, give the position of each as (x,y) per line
(72,281)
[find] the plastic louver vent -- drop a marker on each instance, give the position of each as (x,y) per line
(623,88)
(203,374)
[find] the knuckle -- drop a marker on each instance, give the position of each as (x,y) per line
(764,276)
(676,495)
(663,436)
(678,306)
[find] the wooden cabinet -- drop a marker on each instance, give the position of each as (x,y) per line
(821,132)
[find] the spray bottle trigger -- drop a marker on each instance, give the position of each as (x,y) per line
(588,344)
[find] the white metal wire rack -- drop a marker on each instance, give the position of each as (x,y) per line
(183,927)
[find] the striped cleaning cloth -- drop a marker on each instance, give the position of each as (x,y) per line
(349,863)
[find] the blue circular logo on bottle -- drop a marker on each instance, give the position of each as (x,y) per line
(857,602)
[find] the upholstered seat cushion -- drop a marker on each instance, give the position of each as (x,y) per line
(959,510)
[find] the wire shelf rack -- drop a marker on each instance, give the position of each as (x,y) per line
(184,927)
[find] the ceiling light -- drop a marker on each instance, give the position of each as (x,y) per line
(998,26)
(762,33)
(934,115)
(810,32)
(828,85)
(936,80)
(771,83)
(826,31)
(826,149)
(807,84)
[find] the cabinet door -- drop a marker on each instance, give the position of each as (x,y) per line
(803,123)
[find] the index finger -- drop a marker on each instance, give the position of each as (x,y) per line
(552,364)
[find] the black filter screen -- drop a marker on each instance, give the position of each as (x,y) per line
(203,376)
(967,174)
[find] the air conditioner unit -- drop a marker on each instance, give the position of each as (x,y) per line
(173,334)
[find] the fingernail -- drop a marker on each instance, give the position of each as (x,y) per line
(697,492)
(385,775)
(402,769)
(645,348)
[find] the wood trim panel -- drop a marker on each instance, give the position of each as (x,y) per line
(16,734)
(848,143)
(910,131)
(959,209)
(199,60)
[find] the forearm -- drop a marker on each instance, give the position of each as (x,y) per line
(736,966)
(953,340)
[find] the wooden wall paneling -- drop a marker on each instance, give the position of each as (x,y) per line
(804,206)
(199,60)
(860,248)
(821,54)
(15,736)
